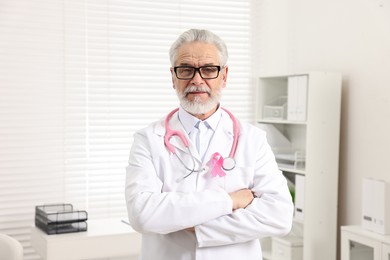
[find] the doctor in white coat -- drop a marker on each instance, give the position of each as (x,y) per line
(194,202)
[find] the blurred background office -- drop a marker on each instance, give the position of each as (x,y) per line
(78,77)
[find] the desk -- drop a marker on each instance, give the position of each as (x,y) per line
(108,238)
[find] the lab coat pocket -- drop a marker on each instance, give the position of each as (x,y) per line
(239,178)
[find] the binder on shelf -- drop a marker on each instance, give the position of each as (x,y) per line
(376,206)
(299,205)
(297,98)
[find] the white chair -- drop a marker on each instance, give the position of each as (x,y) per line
(10,248)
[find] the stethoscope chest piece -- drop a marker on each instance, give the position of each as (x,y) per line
(228,164)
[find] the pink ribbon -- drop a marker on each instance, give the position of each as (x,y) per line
(217,163)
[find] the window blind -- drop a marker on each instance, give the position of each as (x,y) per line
(78,78)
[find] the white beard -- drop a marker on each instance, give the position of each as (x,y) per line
(196,107)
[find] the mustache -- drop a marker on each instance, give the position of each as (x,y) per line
(196,89)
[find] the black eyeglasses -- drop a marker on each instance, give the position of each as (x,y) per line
(205,72)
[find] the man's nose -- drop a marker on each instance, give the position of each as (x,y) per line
(197,79)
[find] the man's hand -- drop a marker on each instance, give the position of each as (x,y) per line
(241,198)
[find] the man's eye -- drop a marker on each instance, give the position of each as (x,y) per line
(209,69)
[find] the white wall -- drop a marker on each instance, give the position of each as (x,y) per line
(352,37)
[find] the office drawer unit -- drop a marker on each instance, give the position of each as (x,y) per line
(358,243)
(386,251)
(287,248)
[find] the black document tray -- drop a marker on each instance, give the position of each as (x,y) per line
(59,214)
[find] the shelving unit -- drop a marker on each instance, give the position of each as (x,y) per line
(308,126)
(358,243)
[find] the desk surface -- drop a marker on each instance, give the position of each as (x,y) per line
(104,238)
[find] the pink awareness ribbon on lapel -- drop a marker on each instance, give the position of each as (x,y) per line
(217,163)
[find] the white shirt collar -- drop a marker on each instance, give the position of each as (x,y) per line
(189,121)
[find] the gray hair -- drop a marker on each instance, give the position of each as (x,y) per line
(197,35)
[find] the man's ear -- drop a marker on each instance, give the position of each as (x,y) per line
(225,74)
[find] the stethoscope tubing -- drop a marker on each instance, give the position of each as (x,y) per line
(169,133)
(236,133)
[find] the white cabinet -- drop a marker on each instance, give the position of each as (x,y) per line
(358,243)
(386,251)
(301,114)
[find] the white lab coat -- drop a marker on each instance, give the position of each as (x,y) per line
(161,204)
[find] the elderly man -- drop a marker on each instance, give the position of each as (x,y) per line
(200,184)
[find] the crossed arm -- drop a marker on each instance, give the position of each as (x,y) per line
(241,199)
(239,212)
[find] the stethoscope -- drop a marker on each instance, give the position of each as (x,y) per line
(228,163)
